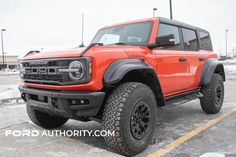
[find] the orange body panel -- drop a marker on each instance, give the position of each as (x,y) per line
(175,77)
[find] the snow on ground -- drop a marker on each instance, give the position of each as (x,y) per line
(230,65)
(9,92)
(15,72)
(230,68)
(229,61)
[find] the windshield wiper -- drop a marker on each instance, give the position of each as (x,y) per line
(120,43)
(98,44)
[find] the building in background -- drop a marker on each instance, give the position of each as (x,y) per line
(10,62)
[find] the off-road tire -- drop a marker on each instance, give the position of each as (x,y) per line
(117,117)
(43,119)
(209,101)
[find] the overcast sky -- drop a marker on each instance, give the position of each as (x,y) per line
(56,24)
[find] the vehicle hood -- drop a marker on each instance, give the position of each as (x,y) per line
(55,54)
(96,51)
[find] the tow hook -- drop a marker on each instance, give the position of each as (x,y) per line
(53,102)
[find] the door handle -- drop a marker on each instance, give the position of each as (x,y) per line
(183,59)
(201,58)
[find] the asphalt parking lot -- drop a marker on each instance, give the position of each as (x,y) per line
(183,131)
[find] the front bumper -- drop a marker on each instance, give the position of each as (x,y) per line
(70,104)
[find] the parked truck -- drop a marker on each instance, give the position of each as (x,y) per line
(127,72)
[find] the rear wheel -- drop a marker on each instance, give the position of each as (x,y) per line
(43,119)
(213,95)
(130,112)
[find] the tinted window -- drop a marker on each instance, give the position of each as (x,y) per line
(165,29)
(135,33)
(190,40)
(205,41)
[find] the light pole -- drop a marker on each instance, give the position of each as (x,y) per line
(2,30)
(171,17)
(154,11)
(82,33)
(226,41)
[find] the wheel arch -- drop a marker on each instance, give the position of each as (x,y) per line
(134,70)
(212,66)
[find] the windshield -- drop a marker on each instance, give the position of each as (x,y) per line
(130,34)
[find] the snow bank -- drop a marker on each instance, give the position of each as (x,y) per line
(230,65)
(230,68)
(9,72)
(9,92)
(229,61)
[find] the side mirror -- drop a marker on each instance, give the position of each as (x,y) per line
(165,40)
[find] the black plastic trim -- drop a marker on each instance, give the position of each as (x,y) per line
(209,69)
(63,98)
(118,70)
(183,97)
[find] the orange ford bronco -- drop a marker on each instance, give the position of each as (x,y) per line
(122,77)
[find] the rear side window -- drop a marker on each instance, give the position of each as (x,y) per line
(165,29)
(205,41)
(190,40)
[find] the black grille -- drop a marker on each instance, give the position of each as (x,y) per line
(48,63)
(59,78)
(45,71)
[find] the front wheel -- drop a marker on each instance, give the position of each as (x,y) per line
(130,112)
(213,95)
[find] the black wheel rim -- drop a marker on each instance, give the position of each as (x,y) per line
(218,94)
(140,119)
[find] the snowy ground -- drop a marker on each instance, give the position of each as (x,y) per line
(230,66)
(9,72)
(230,71)
(9,92)
(229,61)
(9,81)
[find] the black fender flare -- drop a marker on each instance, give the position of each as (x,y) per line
(211,66)
(118,70)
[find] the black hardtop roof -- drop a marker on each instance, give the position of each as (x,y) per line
(181,24)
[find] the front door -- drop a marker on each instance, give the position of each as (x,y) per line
(172,63)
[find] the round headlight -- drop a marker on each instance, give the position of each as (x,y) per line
(76,70)
(21,70)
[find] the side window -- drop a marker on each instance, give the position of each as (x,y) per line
(165,29)
(190,40)
(205,41)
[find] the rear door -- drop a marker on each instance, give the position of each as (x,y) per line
(172,62)
(195,56)
(191,47)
